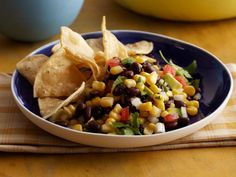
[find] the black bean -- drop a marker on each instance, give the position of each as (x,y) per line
(128,74)
(109,86)
(97,112)
(124,101)
(148,67)
(132,92)
(79,109)
(93,126)
(183,121)
(179,104)
(106,77)
(94,93)
(132,109)
(119,90)
(171,126)
(87,112)
(136,68)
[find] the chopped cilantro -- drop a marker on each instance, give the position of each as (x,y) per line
(119,80)
(192,67)
(129,60)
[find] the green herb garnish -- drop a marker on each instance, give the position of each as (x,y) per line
(192,67)
(196,83)
(119,80)
(128,61)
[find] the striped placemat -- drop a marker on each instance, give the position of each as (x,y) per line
(18,134)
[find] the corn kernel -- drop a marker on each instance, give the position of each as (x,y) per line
(130,83)
(116,70)
(77,127)
(160,104)
(172,105)
(192,111)
(88,103)
(140,86)
(146,106)
(151,126)
(177,91)
(117,108)
(138,77)
(106,101)
(114,115)
(154,88)
(110,121)
(147,131)
(157,97)
(142,120)
(69,110)
(140,59)
(164,114)
(152,78)
(106,128)
(148,90)
(100,86)
(144,113)
(155,111)
(156,67)
(95,101)
(194,103)
(145,74)
(190,90)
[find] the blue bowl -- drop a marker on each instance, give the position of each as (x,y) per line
(29,20)
(216,81)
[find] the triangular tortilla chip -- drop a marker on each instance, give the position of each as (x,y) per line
(48,105)
(30,65)
(96,44)
(58,77)
(78,50)
(141,47)
(73,97)
(112,46)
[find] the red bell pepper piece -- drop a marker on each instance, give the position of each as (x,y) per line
(113,62)
(169,69)
(124,114)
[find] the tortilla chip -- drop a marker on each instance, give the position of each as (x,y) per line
(30,66)
(58,77)
(96,44)
(48,105)
(141,47)
(73,97)
(112,46)
(78,50)
(56,47)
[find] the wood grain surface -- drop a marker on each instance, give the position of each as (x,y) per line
(219,37)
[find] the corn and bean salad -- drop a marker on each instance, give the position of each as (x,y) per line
(136,97)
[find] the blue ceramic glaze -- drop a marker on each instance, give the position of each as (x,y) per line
(29,20)
(215,79)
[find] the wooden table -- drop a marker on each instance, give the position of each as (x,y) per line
(218,37)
